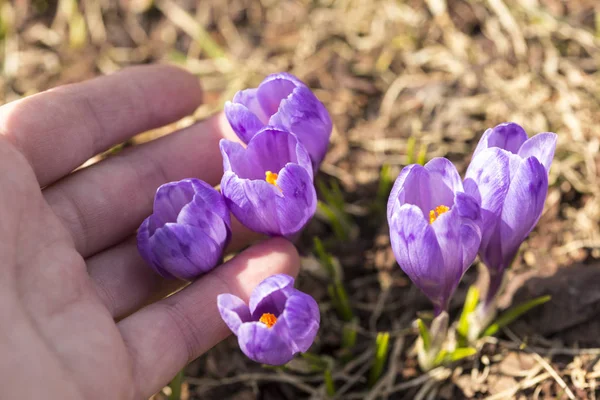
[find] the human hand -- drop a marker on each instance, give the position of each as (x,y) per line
(68,261)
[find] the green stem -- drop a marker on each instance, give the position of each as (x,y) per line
(176,385)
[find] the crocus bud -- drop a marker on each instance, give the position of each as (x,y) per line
(285,102)
(434,228)
(508,175)
(268,186)
(185,236)
(279,322)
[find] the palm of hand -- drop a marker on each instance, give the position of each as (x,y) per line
(68,265)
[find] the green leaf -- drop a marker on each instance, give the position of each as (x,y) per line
(324,257)
(470,304)
(334,220)
(385,183)
(329,383)
(424,334)
(349,334)
(342,296)
(332,194)
(381,353)
(514,313)
(175,386)
(440,358)
(422,156)
(460,353)
(316,362)
(339,299)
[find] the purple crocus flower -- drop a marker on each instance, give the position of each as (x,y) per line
(282,101)
(268,186)
(509,177)
(434,228)
(279,322)
(185,236)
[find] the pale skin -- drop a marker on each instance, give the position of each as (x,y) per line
(82,316)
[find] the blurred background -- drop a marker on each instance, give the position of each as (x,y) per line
(404,81)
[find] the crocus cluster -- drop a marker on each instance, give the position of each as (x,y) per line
(278,322)
(438,223)
(268,186)
(509,177)
(186,234)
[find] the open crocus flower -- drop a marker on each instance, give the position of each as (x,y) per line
(282,101)
(279,322)
(434,228)
(268,186)
(509,177)
(185,236)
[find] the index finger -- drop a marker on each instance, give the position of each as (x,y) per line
(60,129)
(163,337)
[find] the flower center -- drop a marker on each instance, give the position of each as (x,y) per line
(271,177)
(436,212)
(267,318)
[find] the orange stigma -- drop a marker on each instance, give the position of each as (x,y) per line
(271,177)
(267,318)
(436,212)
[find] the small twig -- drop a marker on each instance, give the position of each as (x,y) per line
(544,364)
(379,306)
(509,393)
(204,385)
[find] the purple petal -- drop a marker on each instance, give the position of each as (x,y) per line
(272,91)
(467,207)
(145,249)
(411,187)
(300,321)
(168,202)
(263,344)
(450,230)
(233,310)
(280,210)
(236,160)
(397,195)
(269,150)
(540,146)
(252,202)
(487,180)
(270,295)
(243,122)
(249,99)
(210,196)
(185,251)
(444,181)
(285,76)
(491,249)
(298,204)
(523,205)
(508,136)
(304,115)
(418,253)
(201,215)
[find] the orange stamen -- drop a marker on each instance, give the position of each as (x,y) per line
(271,177)
(268,319)
(436,212)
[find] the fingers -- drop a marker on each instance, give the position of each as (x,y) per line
(105,203)
(125,283)
(163,337)
(59,129)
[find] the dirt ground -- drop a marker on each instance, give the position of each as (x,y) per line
(400,78)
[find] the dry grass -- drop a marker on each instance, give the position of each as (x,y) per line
(394,75)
